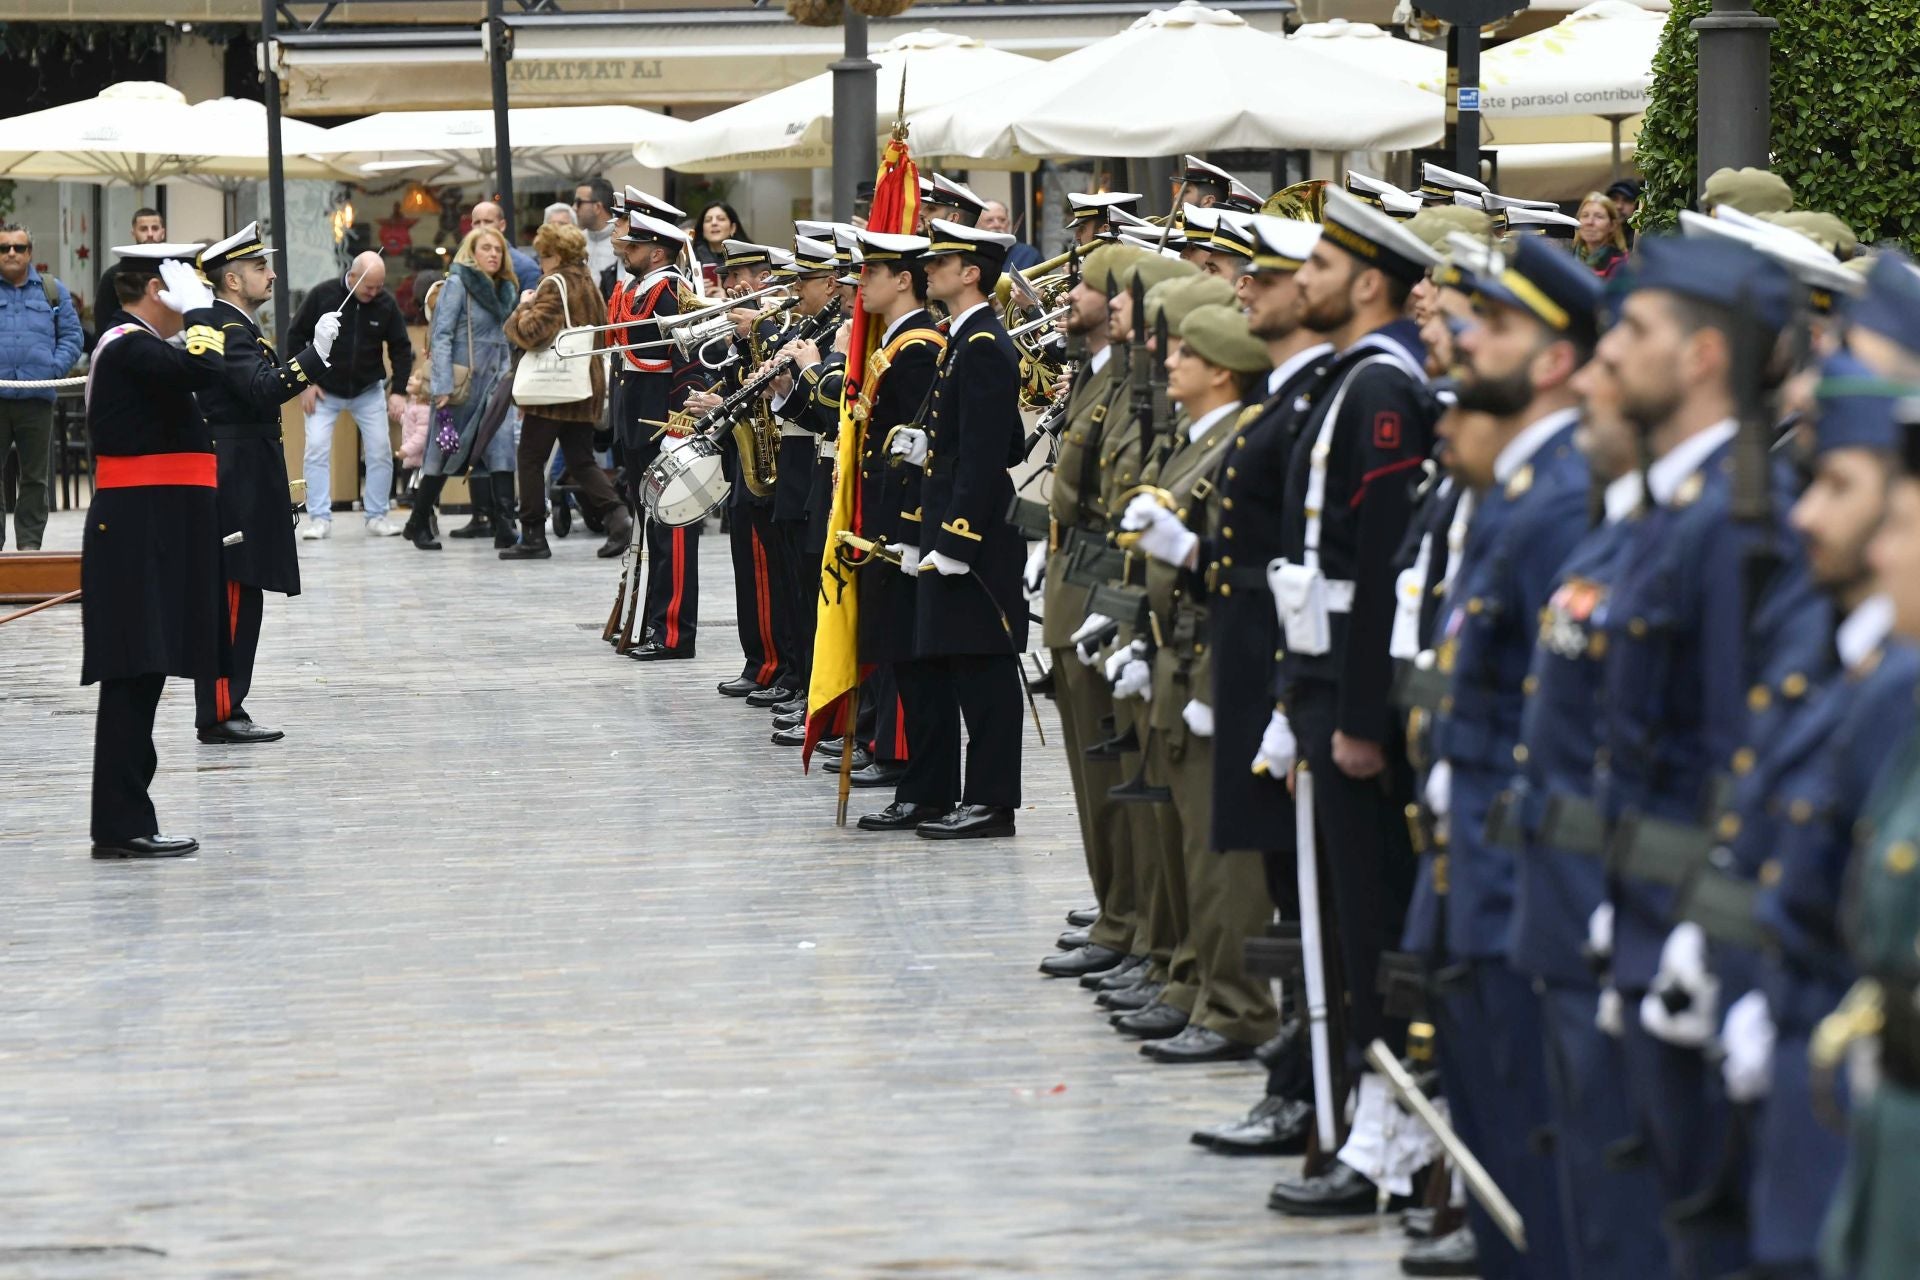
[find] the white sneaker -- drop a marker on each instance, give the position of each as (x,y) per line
(381,527)
(316,530)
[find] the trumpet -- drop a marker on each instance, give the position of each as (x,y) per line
(685,317)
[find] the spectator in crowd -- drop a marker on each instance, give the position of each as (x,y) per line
(370,363)
(560,214)
(1625,195)
(489,214)
(1601,240)
(593,209)
(39,340)
(467,339)
(996,218)
(148,228)
(717,224)
(563,252)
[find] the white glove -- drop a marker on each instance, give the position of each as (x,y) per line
(946,566)
(324,332)
(1600,931)
(1439,789)
(1162,536)
(1748,1040)
(1117,661)
(1683,1006)
(1082,648)
(1199,718)
(1136,680)
(1277,750)
(910,445)
(185,290)
(909,557)
(1609,1017)
(1034,582)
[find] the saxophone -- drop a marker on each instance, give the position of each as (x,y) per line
(755,434)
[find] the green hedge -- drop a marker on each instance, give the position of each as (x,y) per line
(1845,134)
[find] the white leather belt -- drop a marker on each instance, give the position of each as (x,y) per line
(790,432)
(1339,596)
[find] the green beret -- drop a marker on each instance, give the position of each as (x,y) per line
(1434,222)
(1824,229)
(1753,191)
(1178,298)
(1108,260)
(1219,335)
(1152,268)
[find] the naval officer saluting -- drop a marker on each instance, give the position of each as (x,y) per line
(150,559)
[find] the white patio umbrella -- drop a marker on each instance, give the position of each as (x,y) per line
(139,132)
(792,128)
(1188,78)
(1374,49)
(1594,65)
(564,142)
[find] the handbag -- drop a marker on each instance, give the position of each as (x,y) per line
(561,372)
(463,373)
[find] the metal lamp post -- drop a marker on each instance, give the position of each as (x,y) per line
(1735,108)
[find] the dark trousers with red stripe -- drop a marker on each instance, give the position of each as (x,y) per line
(889,740)
(223,698)
(672,605)
(802,573)
(756,586)
(124,759)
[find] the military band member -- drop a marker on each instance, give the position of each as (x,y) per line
(243,415)
(1201,184)
(1090,214)
(653,386)
(150,559)
(1350,482)
(942,197)
(970,623)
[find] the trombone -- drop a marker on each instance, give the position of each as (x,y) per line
(685,317)
(1041,323)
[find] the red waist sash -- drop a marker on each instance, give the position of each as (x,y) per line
(201,469)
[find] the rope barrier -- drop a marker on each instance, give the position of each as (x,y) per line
(42,384)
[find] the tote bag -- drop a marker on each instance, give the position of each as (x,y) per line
(561,372)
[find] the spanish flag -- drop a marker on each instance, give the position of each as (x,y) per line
(833,696)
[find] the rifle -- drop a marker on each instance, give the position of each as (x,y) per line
(632,582)
(627,559)
(1140,371)
(1154,445)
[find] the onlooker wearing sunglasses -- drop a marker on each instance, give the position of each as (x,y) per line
(39,341)
(592,207)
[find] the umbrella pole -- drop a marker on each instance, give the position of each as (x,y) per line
(1614,123)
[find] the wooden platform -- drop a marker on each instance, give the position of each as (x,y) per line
(518,959)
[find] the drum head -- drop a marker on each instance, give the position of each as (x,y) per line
(685,482)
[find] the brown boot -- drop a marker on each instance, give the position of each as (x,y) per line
(619,534)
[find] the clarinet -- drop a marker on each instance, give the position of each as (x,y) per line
(809,329)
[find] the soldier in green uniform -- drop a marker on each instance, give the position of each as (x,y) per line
(1213,370)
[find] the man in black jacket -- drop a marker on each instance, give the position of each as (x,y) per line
(373,355)
(243,414)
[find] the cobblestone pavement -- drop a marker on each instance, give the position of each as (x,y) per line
(518,959)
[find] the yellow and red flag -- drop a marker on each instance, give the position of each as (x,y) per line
(833,692)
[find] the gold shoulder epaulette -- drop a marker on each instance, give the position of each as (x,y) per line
(202,338)
(1247,415)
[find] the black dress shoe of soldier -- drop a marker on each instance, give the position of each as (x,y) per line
(769,695)
(1083,917)
(879,773)
(1197,1044)
(968,822)
(898,816)
(1454,1254)
(1088,959)
(789,737)
(153,846)
(1156,1021)
(1125,974)
(239,731)
(1073,939)
(739,687)
(654,651)
(1340,1192)
(1275,1127)
(1126,1000)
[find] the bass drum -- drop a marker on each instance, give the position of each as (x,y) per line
(685,482)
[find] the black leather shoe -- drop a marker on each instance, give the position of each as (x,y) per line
(1074,964)
(898,816)
(1417,1223)
(154,846)
(1338,1193)
(790,737)
(768,696)
(1454,1254)
(968,822)
(1156,1021)
(1275,1127)
(654,651)
(1197,1044)
(879,773)
(738,688)
(791,707)
(236,731)
(1131,974)
(1130,1000)
(832,747)
(862,759)
(1083,917)
(1073,939)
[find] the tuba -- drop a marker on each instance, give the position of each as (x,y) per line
(1302,202)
